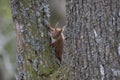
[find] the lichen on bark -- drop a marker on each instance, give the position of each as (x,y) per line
(34,57)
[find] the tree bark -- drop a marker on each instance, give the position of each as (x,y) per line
(93,39)
(34,59)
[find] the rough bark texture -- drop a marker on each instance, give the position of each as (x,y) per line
(34,58)
(93,39)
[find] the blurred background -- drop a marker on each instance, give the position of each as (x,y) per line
(7,42)
(7,35)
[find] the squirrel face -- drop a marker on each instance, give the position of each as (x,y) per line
(55,33)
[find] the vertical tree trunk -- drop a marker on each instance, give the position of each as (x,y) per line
(93,39)
(34,58)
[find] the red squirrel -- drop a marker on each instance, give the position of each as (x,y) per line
(57,40)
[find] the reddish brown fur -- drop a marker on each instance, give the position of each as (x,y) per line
(57,34)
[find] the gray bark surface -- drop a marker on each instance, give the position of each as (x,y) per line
(93,39)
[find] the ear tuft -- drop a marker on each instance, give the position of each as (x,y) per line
(63,28)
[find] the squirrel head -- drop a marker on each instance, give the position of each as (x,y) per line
(55,33)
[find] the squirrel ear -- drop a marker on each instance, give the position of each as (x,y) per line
(63,28)
(49,27)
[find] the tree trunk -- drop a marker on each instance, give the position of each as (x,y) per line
(93,39)
(34,59)
(92,46)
